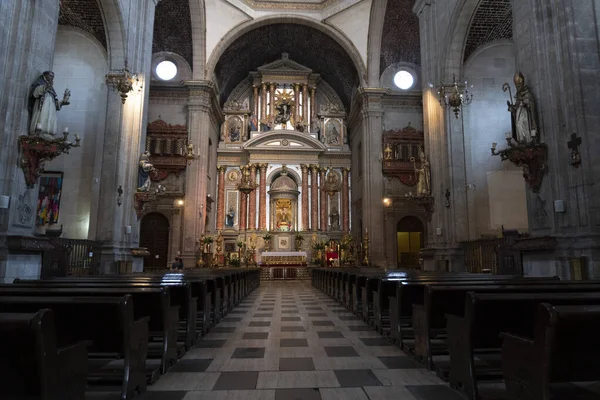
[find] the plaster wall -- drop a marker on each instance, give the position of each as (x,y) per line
(170,112)
(354,23)
(221,17)
(80,64)
(495,189)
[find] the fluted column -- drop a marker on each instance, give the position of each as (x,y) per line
(262,211)
(304,101)
(263,106)
(252,200)
(323,194)
(314,197)
(345,200)
(221,197)
(271,99)
(255,99)
(305,223)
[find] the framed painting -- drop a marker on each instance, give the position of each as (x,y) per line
(49,193)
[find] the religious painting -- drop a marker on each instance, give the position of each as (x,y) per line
(283,215)
(234,130)
(333,132)
(49,193)
(231,208)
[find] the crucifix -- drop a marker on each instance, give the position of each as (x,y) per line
(573,145)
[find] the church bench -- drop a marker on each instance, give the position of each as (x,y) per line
(564,348)
(412,292)
(33,366)
(154,303)
(429,318)
(478,331)
(117,342)
(180,295)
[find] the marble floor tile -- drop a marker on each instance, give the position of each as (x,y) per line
(296,379)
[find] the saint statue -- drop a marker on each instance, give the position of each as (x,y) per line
(523,110)
(230,217)
(283,112)
(315,125)
(335,219)
(44,103)
(423,174)
(144,169)
(234,133)
(253,123)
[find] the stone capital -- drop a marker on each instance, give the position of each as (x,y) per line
(222,169)
(314,167)
(304,168)
(263,167)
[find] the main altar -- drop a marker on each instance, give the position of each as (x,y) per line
(285,128)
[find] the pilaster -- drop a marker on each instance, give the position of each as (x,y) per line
(323,199)
(263,197)
(305,212)
(345,200)
(252,200)
(221,197)
(314,197)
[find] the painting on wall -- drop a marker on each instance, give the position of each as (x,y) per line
(48,205)
(333,132)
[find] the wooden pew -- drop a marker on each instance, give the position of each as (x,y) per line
(180,295)
(33,365)
(478,332)
(565,348)
(154,303)
(107,325)
(429,318)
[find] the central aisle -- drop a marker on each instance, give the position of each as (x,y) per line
(289,341)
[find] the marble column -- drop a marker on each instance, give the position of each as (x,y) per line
(305,213)
(263,103)
(323,195)
(252,200)
(345,200)
(221,197)
(313,105)
(304,102)
(243,211)
(297,99)
(255,99)
(262,211)
(272,99)
(314,197)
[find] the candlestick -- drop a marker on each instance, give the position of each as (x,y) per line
(66,129)
(38,126)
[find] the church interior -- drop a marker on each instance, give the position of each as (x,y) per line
(285,199)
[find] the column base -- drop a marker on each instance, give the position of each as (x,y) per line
(441,258)
(111,256)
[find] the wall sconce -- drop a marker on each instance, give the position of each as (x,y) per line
(121,81)
(454,96)
(387,202)
(179,202)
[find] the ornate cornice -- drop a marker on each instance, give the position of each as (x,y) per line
(204,94)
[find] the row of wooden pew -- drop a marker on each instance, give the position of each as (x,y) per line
(62,337)
(475,328)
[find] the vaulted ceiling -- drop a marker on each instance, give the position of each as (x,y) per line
(85,15)
(305,45)
(173,29)
(400,39)
(492,21)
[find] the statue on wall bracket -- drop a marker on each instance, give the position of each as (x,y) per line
(423,196)
(524,146)
(42,143)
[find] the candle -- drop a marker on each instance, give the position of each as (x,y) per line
(508,135)
(66,129)
(494,145)
(38,126)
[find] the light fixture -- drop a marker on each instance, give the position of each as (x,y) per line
(387,202)
(180,202)
(166,70)
(404,80)
(246,186)
(189,152)
(455,96)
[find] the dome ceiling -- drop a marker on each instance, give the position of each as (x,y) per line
(305,45)
(400,37)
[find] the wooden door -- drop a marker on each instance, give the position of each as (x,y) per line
(154,235)
(410,237)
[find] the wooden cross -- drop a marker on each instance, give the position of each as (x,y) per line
(573,145)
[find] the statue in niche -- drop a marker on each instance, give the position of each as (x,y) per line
(234,131)
(253,123)
(283,215)
(332,136)
(230,217)
(283,112)
(334,217)
(44,104)
(315,125)
(523,111)
(423,174)
(144,170)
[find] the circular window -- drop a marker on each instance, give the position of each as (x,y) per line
(404,80)
(166,70)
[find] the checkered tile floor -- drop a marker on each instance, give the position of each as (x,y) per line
(289,341)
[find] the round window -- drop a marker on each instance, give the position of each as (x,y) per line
(404,80)
(166,70)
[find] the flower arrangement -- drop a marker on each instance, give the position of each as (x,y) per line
(240,244)
(299,237)
(207,239)
(267,236)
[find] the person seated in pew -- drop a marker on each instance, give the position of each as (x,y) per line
(178,264)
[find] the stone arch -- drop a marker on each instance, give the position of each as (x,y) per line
(248,26)
(376,20)
(198,15)
(271,176)
(114,25)
(458,30)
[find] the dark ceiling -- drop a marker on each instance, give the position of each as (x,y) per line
(305,45)
(173,29)
(85,15)
(492,21)
(400,40)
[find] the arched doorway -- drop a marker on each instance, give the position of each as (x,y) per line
(410,237)
(154,235)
